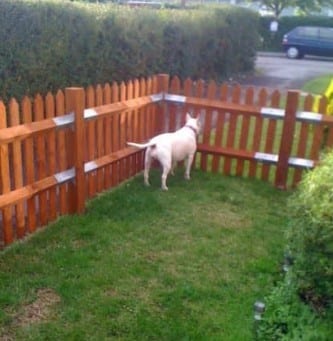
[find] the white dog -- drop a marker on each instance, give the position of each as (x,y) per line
(169,148)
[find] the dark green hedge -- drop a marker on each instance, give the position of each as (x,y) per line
(273,42)
(46,45)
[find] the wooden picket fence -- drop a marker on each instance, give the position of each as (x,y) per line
(56,152)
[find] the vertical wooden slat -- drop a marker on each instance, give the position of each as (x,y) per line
(129,131)
(174,89)
(115,135)
(270,137)
(232,129)
(318,134)
(100,138)
(91,141)
(62,154)
(211,94)
(257,132)
(199,92)
(5,181)
(107,98)
(17,168)
(136,128)
(51,155)
(75,102)
(122,133)
(303,139)
(163,86)
(188,91)
(29,165)
(221,118)
(249,96)
(41,161)
(287,139)
(150,121)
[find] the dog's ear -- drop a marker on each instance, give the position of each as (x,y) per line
(188,117)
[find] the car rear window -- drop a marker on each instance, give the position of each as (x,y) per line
(326,33)
(308,32)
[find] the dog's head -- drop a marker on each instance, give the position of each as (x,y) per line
(193,122)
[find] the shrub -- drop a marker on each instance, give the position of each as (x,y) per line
(301,306)
(46,45)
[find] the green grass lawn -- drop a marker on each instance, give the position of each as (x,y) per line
(143,264)
(318,85)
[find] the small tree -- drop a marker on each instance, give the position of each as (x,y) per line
(277,6)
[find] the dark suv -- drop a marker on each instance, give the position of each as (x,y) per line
(302,40)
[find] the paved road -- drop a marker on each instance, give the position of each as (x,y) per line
(276,71)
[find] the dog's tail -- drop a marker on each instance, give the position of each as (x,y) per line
(141,145)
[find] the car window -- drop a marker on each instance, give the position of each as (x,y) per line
(326,34)
(308,32)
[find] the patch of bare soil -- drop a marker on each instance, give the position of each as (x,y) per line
(38,311)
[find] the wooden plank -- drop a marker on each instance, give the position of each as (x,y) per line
(221,119)
(75,102)
(62,154)
(107,99)
(29,162)
(136,128)
(122,132)
(287,139)
(262,98)
(231,138)
(17,168)
(115,135)
(51,155)
(130,136)
(91,141)
(249,96)
(302,140)
(8,235)
(174,89)
(318,135)
(270,137)
(199,92)
(43,204)
(100,123)
(207,129)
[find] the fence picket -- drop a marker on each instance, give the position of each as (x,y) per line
(270,136)
(41,161)
(29,162)
(107,99)
(302,140)
(231,137)
(91,141)
(51,155)
(262,96)
(249,97)
(100,123)
(8,235)
(206,139)
(115,144)
(62,153)
(17,168)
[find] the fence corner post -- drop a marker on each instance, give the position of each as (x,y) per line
(287,137)
(75,103)
(162,87)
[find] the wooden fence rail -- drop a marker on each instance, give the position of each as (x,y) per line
(56,152)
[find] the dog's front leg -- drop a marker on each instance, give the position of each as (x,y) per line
(166,170)
(188,166)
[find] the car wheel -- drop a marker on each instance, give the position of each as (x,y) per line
(293,53)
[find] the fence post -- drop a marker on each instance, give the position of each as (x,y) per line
(287,137)
(162,86)
(75,102)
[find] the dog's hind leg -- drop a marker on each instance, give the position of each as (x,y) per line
(174,164)
(147,167)
(188,165)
